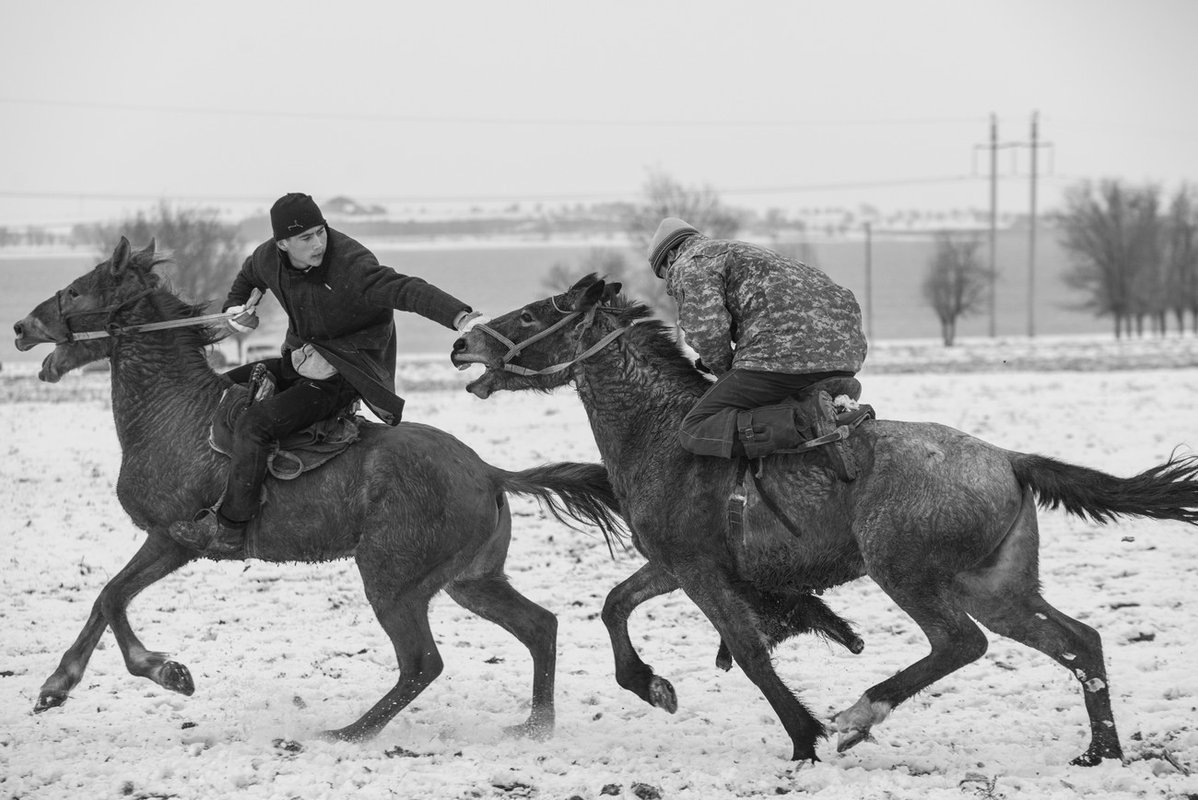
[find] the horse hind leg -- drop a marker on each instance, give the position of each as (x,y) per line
(1004,596)
(955,641)
(154,560)
(485,591)
(404,617)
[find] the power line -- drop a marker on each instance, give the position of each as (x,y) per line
(472,120)
(461,198)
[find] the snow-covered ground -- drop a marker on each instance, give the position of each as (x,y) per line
(281,652)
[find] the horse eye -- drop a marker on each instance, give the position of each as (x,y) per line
(71,292)
(527,318)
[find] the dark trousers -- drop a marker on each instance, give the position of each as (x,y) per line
(710,427)
(297,403)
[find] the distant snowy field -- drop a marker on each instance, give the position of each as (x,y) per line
(281,652)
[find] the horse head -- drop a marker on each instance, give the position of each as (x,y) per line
(536,346)
(90,302)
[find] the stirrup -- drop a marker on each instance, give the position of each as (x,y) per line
(205,533)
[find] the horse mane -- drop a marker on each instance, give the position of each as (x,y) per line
(658,337)
(167,301)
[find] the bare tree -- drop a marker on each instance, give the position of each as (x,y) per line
(956,283)
(206,252)
(1114,234)
(603,261)
(666,197)
(1181,257)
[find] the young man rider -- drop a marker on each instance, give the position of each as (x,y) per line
(340,345)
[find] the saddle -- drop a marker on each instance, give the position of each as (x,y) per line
(294,454)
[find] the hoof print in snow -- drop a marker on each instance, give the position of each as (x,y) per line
(646,792)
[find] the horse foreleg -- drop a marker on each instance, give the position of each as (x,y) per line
(155,559)
(631,673)
(738,626)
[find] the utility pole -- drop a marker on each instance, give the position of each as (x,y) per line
(869,291)
(1035,145)
(994,146)
(993,224)
(1031,234)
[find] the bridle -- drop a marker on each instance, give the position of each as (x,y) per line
(514,348)
(112,329)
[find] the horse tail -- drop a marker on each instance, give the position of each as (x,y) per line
(573,491)
(1166,491)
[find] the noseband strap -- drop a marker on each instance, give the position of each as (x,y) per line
(514,348)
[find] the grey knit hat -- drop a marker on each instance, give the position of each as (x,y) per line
(669,235)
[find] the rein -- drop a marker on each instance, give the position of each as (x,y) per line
(515,348)
(111,329)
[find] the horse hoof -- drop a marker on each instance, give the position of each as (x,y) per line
(1092,758)
(851,738)
(804,754)
(536,731)
(856,645)
(176,677)
(347,734)
(47,700)
(661,694)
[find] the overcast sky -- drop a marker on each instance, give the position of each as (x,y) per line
(793,104)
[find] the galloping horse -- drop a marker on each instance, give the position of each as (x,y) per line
(417,509)
(943,522)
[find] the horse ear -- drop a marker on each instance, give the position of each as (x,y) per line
(613,289)
(590,297)
(150,248)
(120,255)
(584,281)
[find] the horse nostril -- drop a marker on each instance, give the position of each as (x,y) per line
(460,344)
(20,329)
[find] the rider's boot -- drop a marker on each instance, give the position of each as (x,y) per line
(209,532)
(766,430)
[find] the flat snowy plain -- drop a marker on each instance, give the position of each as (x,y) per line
(281,652)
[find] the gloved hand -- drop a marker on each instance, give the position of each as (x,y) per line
(243,320)
(474,318)
(699,365)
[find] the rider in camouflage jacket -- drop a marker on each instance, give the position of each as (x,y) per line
(766,326)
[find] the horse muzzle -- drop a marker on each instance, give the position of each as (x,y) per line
(30,333)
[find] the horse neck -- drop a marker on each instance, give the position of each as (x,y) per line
(162,389)
(633,404)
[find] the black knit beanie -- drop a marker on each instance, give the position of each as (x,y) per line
(294,213)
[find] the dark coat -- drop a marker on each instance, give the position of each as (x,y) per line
(345,309)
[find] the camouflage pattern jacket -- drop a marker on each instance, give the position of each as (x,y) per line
(745,307)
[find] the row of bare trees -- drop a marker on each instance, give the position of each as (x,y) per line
(1135,254)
